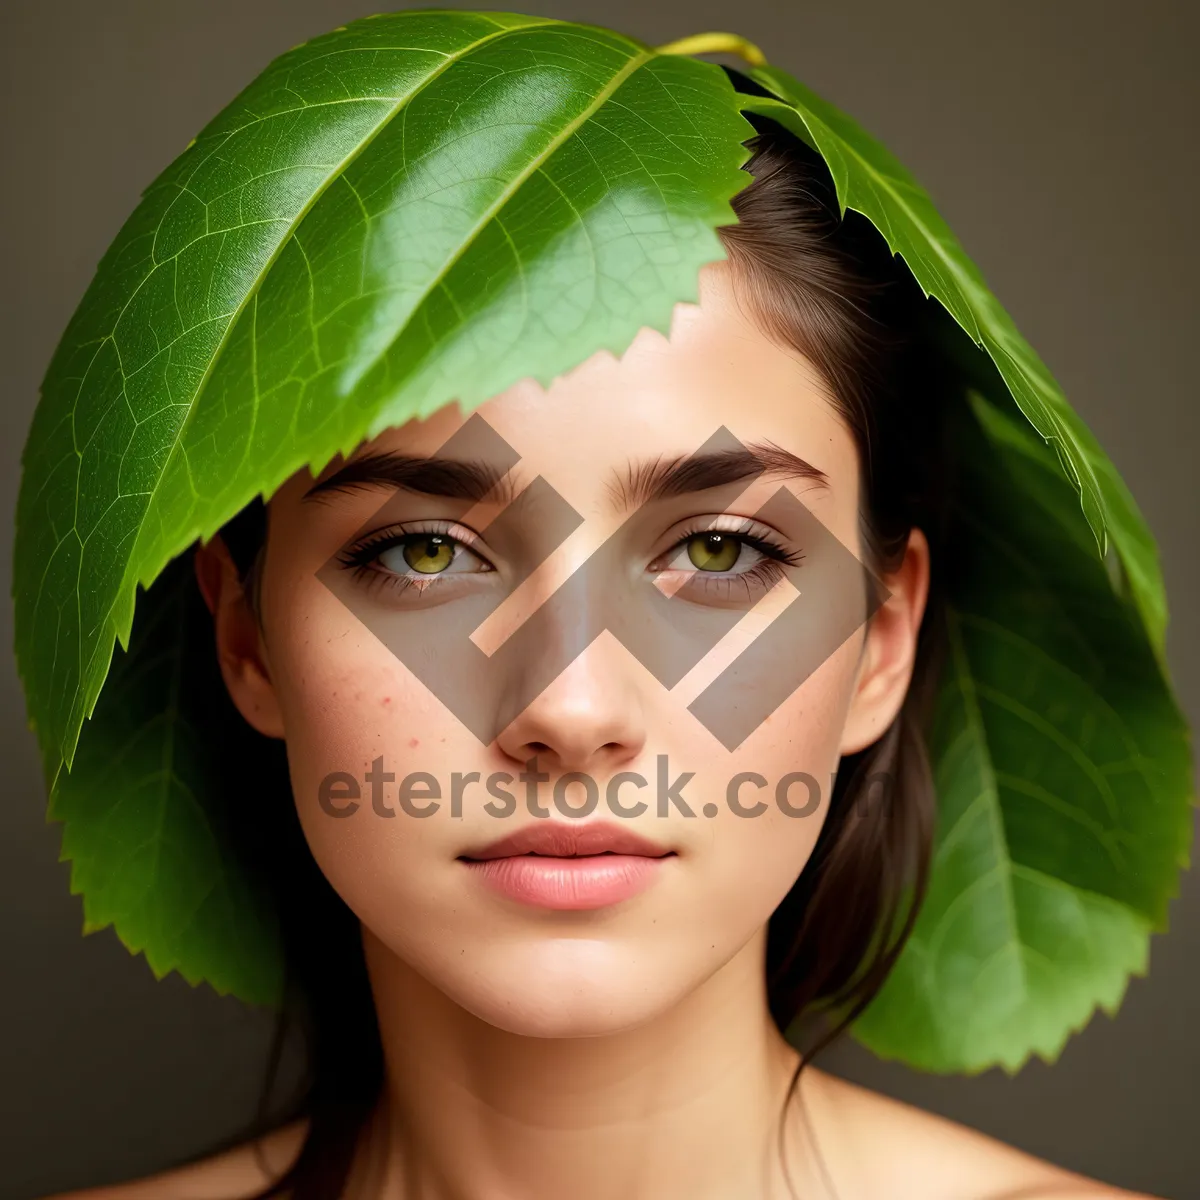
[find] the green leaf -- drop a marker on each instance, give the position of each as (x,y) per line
(1063,773)
(420,208)
(1062,763)
(156,827)
(417,208)
(871,181)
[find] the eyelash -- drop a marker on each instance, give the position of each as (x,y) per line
(765,573)
(360,559)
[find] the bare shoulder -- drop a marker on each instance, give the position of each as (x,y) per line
(231,1175)
(874,1146)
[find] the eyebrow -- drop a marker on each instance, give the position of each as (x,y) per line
(663,478)
(474,480)
(457,479)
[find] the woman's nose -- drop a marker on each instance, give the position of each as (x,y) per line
(589,718)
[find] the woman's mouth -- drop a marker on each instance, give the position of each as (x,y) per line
(553,865)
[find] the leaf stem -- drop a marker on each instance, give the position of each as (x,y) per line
(717,43)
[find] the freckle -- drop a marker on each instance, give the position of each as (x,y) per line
(413,743)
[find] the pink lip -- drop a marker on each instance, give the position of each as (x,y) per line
(552,865)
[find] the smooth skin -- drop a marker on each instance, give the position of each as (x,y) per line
(627,1051)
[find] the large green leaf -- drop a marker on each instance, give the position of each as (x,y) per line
(158,828)
(417,208)
(1063,773)
(1062,762)
(871,181)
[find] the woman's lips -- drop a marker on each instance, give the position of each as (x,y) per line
(552,865)
(590,881)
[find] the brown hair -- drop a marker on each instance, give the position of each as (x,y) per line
(826,287)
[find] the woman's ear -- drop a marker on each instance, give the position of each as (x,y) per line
(886,664)
(240,648)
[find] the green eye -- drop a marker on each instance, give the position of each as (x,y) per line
(713,551)
(429,553)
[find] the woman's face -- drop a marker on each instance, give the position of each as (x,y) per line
(439,656)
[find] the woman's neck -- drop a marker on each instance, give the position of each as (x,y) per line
(686,1105)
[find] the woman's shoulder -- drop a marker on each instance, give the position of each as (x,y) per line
(230,1175)
(884,1147)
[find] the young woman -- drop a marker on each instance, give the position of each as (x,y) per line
(519,983)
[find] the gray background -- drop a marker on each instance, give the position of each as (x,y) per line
(1057,137)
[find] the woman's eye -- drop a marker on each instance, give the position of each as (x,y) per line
(427,554)
(718,566)
(714,551)
(400,559)
(430,554)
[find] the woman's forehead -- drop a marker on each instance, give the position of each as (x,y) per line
(716,376)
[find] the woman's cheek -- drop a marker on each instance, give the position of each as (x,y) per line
(775,792)
(351,711)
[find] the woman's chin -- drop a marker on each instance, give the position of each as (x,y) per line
(566,1016)
(566,989)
